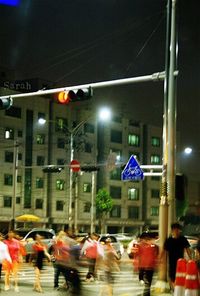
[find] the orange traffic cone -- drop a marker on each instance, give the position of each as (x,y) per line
(179,289)
(191,280)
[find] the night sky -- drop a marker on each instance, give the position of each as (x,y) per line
(71,42)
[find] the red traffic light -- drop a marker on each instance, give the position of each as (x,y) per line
(65,97)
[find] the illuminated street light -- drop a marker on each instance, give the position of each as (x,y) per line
(104,114)
(188,150)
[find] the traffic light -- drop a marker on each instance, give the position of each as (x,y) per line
(65,97)
(5,103)
(89,169)
(180,186)
(52,169)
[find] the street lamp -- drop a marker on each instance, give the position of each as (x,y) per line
(104,114)
(188,150)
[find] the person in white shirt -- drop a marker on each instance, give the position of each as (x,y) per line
(4,253)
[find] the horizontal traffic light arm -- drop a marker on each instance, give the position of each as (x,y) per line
(158,76)
(52,169)
(89,168)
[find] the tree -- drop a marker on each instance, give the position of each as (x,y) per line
(104,205)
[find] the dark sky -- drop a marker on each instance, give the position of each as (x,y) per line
(72,42)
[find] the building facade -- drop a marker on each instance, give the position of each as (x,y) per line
(28,147)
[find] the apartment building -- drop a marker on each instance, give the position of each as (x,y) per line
(27,147)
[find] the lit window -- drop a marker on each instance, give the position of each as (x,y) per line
(155,141)
(155,159)
(154,211)
(60,184)
(133,193)
(61,125)
(40,139)
(133,140)
(9,133)
(87,187)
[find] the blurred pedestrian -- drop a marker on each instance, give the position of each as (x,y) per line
(13,267)
(147,253)
(65,263)
(90,251)
(60,256)
(4,253)
(108,266)
(175,246)
(40,252)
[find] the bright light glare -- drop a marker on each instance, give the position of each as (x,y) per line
(105,114)
(188,150)
(41,120)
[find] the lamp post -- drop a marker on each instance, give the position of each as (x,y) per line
(15,168)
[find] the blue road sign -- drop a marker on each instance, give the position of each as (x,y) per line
(132,171)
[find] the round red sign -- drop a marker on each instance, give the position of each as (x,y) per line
(75,165)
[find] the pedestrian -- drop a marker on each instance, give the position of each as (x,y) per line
(175,246)
(4,253)
(60,256)
(107,267)
(90,251)
(40,252)
(147,253)
(65,252)
(12,268)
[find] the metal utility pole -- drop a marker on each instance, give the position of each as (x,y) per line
(171,171)
(92,204)
(71,180)
(167,199)
(15,168)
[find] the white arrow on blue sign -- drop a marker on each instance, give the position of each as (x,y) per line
(132,171)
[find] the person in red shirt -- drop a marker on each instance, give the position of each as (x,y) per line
(147,253)
(15,254)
